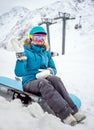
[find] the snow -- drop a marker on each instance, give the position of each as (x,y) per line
(76,69)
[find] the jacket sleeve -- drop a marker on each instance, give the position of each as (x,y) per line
(20,68)
(51,63)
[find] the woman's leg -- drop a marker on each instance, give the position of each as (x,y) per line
(59,86)
(53,98)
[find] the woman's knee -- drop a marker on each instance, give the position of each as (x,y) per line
(45,86)
(43,82)
(54,78)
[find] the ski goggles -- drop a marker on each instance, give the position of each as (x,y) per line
(39,37)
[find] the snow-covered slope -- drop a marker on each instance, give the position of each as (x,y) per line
(76,70)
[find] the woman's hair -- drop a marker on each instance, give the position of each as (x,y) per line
(29,40)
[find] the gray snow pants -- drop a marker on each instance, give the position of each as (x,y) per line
(55,94)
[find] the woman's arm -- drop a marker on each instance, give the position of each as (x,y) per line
(51,64)
(20,68)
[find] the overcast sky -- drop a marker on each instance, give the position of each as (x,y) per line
(6,5)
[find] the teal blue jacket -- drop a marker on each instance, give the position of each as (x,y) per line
(37,58)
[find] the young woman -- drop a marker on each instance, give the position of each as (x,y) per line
(37,69)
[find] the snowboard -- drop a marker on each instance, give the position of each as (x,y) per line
(13,89)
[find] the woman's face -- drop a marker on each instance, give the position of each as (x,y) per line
(38,39)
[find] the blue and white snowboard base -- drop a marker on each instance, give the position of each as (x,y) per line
(17,85)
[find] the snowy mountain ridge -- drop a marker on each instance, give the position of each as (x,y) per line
(9,20)
(19,20)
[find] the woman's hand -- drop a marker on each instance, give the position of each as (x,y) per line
(44,73)
(19,49)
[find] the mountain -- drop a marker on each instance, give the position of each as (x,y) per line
(19,20)
(9,20)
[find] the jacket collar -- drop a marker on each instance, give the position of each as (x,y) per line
(37,48)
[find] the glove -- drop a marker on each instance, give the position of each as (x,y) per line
(19,49)
(54,54)
(44,73)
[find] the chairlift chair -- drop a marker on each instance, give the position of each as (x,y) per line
(78,26)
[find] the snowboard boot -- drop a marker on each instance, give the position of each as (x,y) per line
(70,120)
(79,116)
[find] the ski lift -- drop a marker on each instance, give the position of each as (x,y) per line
(78,26)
